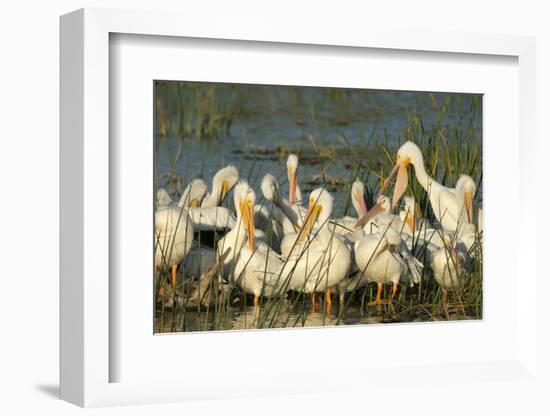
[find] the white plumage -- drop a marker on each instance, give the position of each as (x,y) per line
(222,182)
(255,267)
(448,210)
(320,260)
(193,194)
(384,258)
(173,238)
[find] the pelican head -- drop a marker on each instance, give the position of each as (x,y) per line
(409,213)
(224,180)
(270,188)
(163,197)
(292,168)
(358,198)
(245,198)
(408,154)
(382,205)
(465,190)
(193,194)
(319,210)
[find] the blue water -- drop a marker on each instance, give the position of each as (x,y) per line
(282,117)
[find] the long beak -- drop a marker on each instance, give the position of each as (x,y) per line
(452,251)
(409,220)
(373,212)
(292,182)
(389,178)
(248,221)
(310,218)
(400,184)
(469,204)
(225,190)
(362,205)
(195,203)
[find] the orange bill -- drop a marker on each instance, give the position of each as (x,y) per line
(389,178)
(362,205)
(247,211)
(469,204)
(373,212)
(292,183)
(409,220)
(225,190)
(400,184)
(310,218)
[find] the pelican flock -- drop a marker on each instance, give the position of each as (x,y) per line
(277,246)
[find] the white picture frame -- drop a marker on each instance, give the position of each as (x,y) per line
(86,354)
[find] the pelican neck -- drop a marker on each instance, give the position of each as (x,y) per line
(421,174)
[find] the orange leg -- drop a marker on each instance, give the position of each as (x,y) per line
(314,299)
(378,300)
(393,290)
(174,268)
(328,301)
(256,300)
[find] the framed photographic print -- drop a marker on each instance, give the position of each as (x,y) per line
(272,210)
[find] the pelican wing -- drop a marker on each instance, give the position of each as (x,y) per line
(445,207)
(211,218)
(402,254)
(264,264)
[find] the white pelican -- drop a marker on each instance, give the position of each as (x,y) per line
(209,215)
(450,267)
(224,180)
(173,238)
(465,232)
(320,260)
(211,218)
(294,193)
(465,192)
(163,198)
(193,194)
(384,258)
(447,209)
(285,213)
(345,226)
(411,216)
(418,230)
(271,217)
(255,268)
(380,216)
